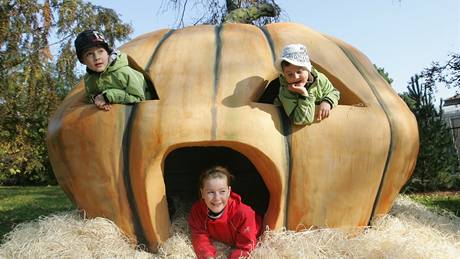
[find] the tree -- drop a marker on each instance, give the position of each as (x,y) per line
(384,74)
(437,164)
(258,12)
(34,81)
(447,74)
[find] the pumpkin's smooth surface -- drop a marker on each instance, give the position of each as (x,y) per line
(339,172)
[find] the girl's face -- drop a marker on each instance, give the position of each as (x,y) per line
(298,76)
(215,193)
(96,59)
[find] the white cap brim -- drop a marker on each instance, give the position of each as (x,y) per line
(306,65)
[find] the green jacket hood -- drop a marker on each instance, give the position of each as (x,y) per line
(117,61)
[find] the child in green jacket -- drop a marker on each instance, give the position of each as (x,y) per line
(109,79)
(302,87)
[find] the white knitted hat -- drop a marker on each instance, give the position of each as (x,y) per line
(295,54)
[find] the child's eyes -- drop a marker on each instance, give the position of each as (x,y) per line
(99,52)
(220,192)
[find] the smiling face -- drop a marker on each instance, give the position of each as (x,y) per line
(96,58)
(296,75)
(215,193)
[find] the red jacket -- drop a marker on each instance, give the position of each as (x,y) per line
(239,226)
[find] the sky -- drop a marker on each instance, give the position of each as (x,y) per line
(402,36)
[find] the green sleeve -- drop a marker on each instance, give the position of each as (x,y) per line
(89,88)
(329,92)
(90,98)
(121,96)
(300,109)
(134,91)
(304,113)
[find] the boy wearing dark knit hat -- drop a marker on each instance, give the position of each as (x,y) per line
(302,87)
(108,79)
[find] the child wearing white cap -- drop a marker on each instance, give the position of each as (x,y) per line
(302,87)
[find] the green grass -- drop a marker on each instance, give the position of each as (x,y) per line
(439,201)
(20,204)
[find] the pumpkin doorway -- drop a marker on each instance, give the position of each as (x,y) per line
(183,166)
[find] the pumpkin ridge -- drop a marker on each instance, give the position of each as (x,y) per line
(126,147)
(287,130)
(155,51)
(286,126)
(218,31)
(385,109)
(269,39)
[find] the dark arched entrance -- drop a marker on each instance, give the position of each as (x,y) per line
(183,166)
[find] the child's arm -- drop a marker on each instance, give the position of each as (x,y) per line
(246,236)
(330,97)
(134,84)
(93,96)
(202,244)
(301,109)
(101,103)
(121,96)
(329,93)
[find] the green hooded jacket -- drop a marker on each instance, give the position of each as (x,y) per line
(301,109)
(119,83)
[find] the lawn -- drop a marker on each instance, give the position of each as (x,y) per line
(19,204)
(439,201)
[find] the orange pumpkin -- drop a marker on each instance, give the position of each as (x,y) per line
(212,109)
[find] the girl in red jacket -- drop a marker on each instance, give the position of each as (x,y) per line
(220,215)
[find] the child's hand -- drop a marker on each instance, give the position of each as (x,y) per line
(100,102)
(296,88)
(323,110)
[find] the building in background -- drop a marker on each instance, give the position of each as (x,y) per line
(451,114)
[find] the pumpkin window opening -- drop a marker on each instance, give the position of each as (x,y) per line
(183,166)
(270,92)
(347,97)
(151,93)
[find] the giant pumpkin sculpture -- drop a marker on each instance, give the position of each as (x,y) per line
(212,84)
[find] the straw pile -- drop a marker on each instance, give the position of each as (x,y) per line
(410,231)
(67,235)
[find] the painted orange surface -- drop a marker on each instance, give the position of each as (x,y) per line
(339,172)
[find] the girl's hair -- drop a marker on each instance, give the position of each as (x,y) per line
(215,172)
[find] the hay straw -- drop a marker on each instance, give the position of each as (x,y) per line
(409,231)
(67,235)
